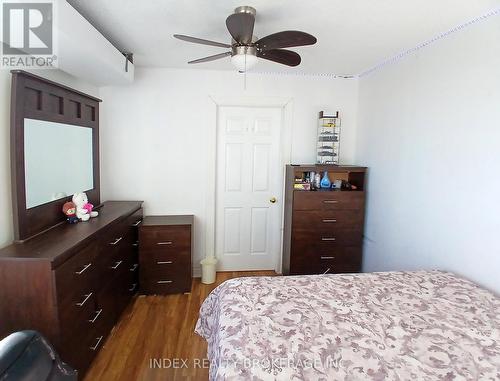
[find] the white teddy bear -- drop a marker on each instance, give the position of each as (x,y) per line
(83,207)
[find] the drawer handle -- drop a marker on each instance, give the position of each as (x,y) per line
(99,339)
(164,281)
(117,264)
(329,221)
(84,269)
(164,262)
(134,286)
(115,242)
(135,244)
(98,313)
(134,267)
(327,270)
(164,243)
(328,239)
(331,201)
(326,258)
(137,223)
(87,297)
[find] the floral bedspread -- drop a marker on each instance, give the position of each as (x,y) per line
(424,325)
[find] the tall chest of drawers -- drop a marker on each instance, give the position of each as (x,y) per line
(73,282)
(165,248)
(324,228)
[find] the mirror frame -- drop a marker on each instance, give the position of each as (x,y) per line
(35,97)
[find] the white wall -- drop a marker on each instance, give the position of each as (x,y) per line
(429,129)
(154,133)
(6,228)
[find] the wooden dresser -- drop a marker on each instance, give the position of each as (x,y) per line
(323,228)
(72,282)
(165,249)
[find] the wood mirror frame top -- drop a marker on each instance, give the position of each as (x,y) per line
(35,97)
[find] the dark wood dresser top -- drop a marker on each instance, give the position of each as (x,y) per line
(327,167)
(168,220)
(58,244)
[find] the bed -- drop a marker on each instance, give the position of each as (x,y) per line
(423,325)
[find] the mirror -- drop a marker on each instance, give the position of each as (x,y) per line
(58,160)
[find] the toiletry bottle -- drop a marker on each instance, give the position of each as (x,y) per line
(317,181)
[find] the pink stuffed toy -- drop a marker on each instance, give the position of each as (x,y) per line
(88,207)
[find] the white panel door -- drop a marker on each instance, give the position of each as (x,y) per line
(249,179)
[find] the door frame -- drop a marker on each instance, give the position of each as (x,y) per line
(286,106)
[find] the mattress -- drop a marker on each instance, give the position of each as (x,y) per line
(424,325)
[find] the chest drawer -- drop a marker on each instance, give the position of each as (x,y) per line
(328,238)
(328,200)
(310,259)
(324,267)
(327,219)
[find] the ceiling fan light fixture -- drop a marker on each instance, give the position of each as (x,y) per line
(244,58)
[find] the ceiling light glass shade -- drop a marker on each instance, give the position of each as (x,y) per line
(244,62)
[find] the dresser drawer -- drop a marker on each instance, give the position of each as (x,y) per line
(135,220)
(83,341)
(113,299)
(78,275)
(327,219)
(76,311)
(110,266)
(165,238)
(328,200)
(117,254)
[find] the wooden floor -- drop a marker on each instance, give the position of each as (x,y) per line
(159,328)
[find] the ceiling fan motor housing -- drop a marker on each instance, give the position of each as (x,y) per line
(244,49)
(246,9)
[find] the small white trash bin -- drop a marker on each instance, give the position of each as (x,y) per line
(208,266)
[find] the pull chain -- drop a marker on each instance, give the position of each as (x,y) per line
(245,74)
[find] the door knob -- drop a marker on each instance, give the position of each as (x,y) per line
(272,200)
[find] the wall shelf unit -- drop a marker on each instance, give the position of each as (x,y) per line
(328,143)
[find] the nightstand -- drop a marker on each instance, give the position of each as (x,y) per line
(165,250)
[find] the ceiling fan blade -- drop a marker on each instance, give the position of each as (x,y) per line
(201,41)
(286,39)
(282,56)
(210,58)
(240,26)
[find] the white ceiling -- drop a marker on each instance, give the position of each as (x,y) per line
(353,35)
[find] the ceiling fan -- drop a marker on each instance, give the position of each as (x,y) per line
(246,48)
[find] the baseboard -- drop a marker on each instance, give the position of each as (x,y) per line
(196,271)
